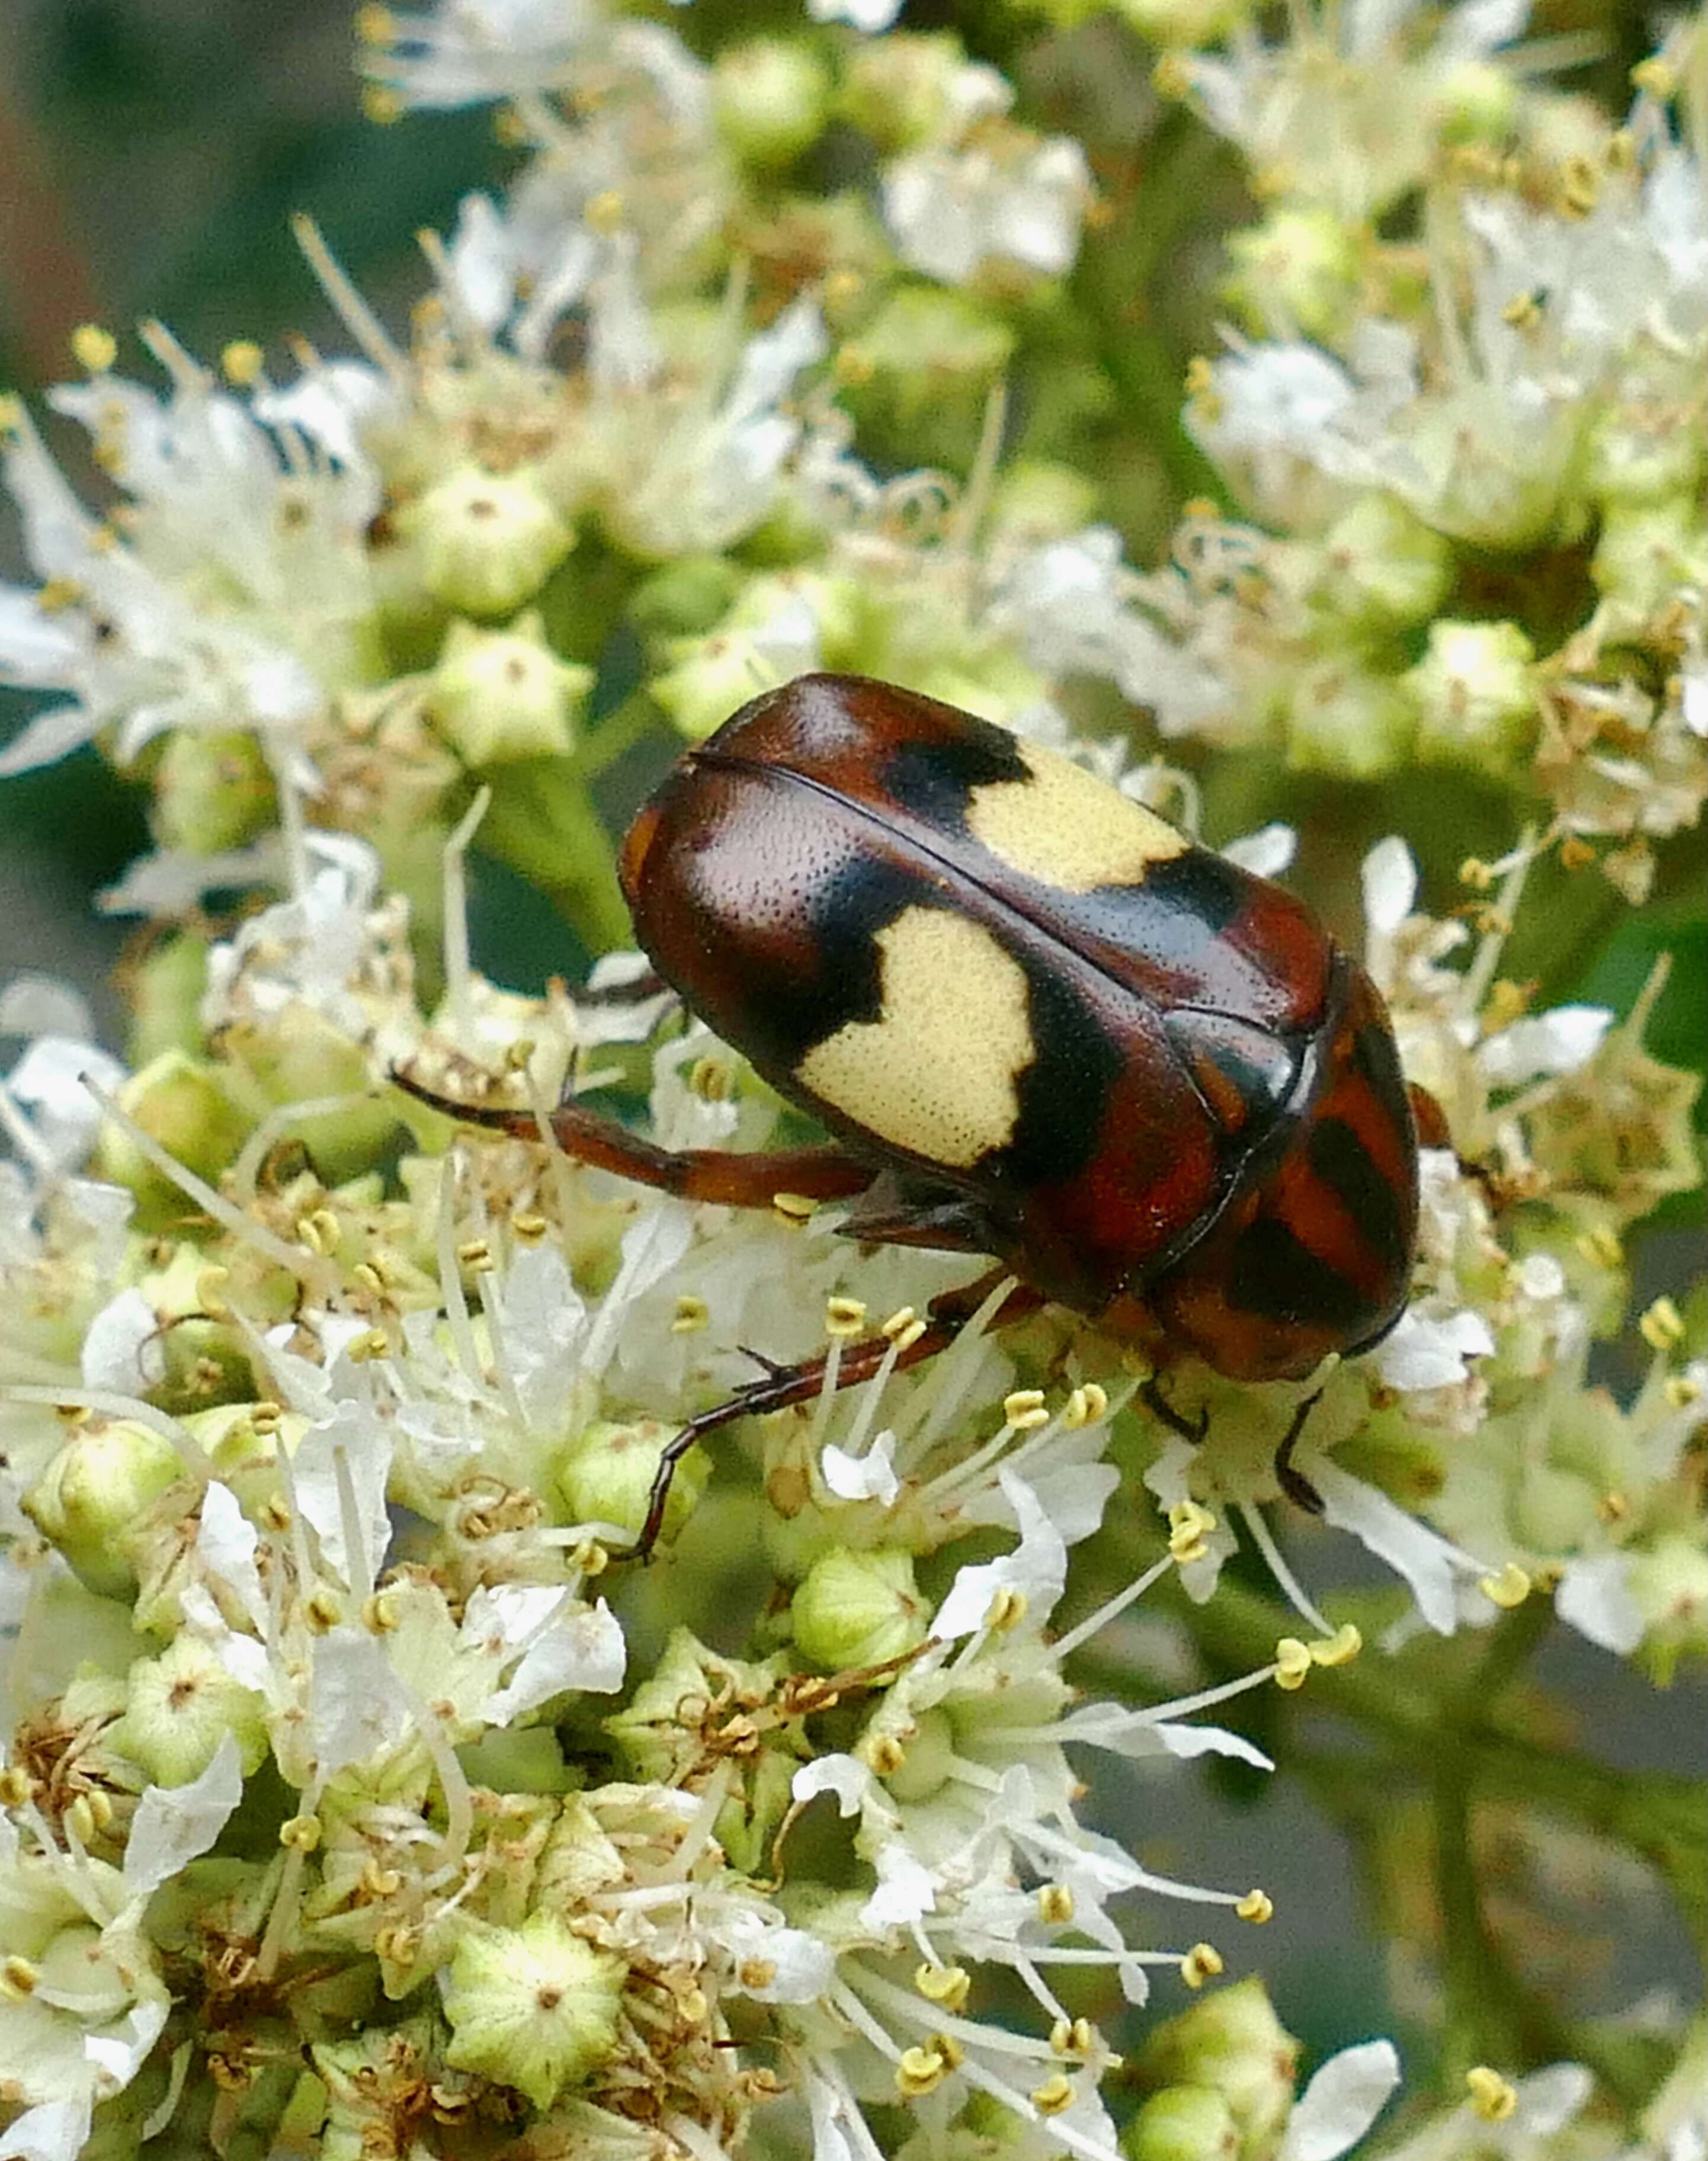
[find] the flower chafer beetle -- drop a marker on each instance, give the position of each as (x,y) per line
(1041,1024)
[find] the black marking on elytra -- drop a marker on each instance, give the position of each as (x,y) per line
(1377,1057)
(1260,1065)
(1275,1277)
(1340,1158)
(934,780)
(1197,886)
(802,1007)
(1064,1092)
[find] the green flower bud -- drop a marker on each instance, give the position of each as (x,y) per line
(1553,1511)
(105,1477)
(294,1055)
(504,694)
(917,377)
(1233,2044)
(182,1103)
(486,542)
(534,2008)
(1477,102)
(771,97)
(210,791)
(179,1708)
(1475,703)
(1647,551)
(834,606)
(857,1609)
(897,89)
(1643,454)
(1297,268)
(165,987)
(712,677)
(1183,22)
(1669,1584)
(1342,721)
(606,1475)
(1183,2124)
(245,1455)
(686,598)
(1383,565)
(1038,500)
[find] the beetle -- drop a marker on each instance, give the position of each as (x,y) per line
(1038,1022)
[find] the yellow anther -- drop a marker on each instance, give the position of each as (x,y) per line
(1086,1406)
(1171,77)
(100,1809)
(712,1079)
(1054,2095)
(1023,1409)
(1662,1327)
(845,1318)
(898,1323)
(1613,1507)
(794,1208)
(1508,1587)
(1523,311)
(1338,1649)
(756,1973)
(382,1611)
(1576,853)
(322,1611)
(397,1946)
(381,105)
(1601,1247)
(375,1344)
(520,1055)
(1681,1391)
(1580,185)
(1202,1963)
(842,286)
(94,348)
(1201,509)
(691,1314)
(1055,1904)
(852,366)
(1006,1612)
(949,2049)
(366,1277)
(1622,150)
(301,1833)
(1188,1526)
(210,1287)
(884,1754)
(79,1819)
(604,214)
(18,1978)
(307,1233)
(1475,873)
(947,1986)
(1256,1906)
(265,1415)
(1292,1662)
(529,1227)
(380,1882)
(375,25)
(53,595)
(475,1254)
(16,1786)
(1655,77)
(1061,2039)
(919,2072)
(1493,2097)
(242,362)
(273,1516)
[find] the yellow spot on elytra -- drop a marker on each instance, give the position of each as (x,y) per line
(935,1073)
(1064,826)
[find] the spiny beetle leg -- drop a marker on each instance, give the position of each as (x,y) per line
(723,1176)
(1292,1482)
(944,1319)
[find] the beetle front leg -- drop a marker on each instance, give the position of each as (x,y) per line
(724,1176)
(946,1317)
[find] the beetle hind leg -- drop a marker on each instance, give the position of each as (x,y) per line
(786,1385)
(726,1177)
(1194,1430)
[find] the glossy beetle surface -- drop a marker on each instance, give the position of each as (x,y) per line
(1056,1030)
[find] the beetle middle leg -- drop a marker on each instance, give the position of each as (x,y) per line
(727,1177)
(1292,1481)
(945,1316)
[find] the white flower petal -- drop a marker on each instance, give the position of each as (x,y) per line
(1342,2102)
(1037,1568)
(1267,852)
(1429,1563)
(906,1889)
(122,1348)
(844,1776)
(1594,1597)
(57,2130)
(174,1824)
(358,1706)
(1558,1041)
(868,1477)
(1426,1350)
(33,1004)
(1549,2099)
(583,1649)
(1390,879)
(226,1545)
(46,737)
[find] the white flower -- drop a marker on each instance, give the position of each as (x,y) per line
(951,211)
(1342,2100)
(871,16)
(174,1824)
(470,52)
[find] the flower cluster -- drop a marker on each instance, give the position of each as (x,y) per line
(360,1796)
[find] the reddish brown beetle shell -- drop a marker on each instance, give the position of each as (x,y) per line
(1059,1031)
